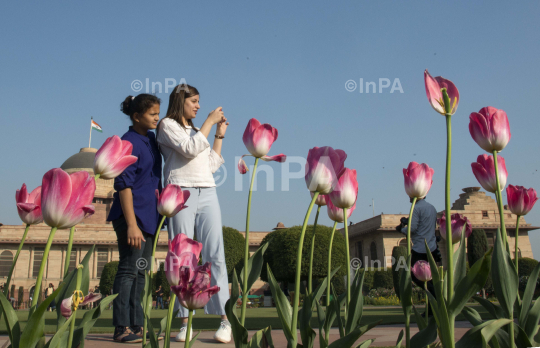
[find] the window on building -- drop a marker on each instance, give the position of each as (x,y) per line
(102,259)
(485,214)
(6,259)
(360,251)
(72,260)
(373,251)
(38,256)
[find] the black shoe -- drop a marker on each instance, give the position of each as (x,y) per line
(137,330)
(125,335)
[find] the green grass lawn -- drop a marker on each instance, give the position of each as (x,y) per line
(256,319)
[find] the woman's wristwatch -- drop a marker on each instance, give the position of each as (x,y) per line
(219,136)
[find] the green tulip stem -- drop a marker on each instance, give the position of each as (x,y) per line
(310,288)
(148,303)
(427,301)
(74,313)
(516,249)
(329,270)
(407,312)
(68,251)
(188,332)
(246,249)
(501,208)
(348,258)
(299,271)
(6,286)
(37,287)
(167,342)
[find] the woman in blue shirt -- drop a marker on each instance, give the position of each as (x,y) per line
(134,215)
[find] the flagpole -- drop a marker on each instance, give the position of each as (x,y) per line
(90,140)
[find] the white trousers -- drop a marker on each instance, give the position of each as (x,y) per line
(202,217)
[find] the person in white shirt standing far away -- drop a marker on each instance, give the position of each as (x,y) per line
(189,163)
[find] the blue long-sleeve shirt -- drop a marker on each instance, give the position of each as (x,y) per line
(423,224)
(143,177)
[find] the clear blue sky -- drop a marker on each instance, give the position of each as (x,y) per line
(284,63)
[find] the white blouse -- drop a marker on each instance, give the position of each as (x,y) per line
(189,160)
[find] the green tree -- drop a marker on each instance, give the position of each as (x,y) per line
(525,266)
(282,248)
(161,279)
(234,243)
(107,278)
(398,253)
(477,246)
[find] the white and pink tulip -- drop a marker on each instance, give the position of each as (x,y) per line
(171,200)
(113,157)
(323,167)
(418,179)
(490,129)
(29,205)
(434,86)
(484,171)
(346,191)
(457,223)
(520,199)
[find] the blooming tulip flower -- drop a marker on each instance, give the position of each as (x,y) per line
(458,221)
(434,93)
(66,198)
(484,171)
(171,200)
(258,139)
(70,304)
(336,214)
(422,271)
(194,289)
(183,252)
(490,129)
(113,157)
(346,191)
(520,200)
(418,179)
(321,199)
(324,165)
(29,205)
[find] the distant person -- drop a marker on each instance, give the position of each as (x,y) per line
(423,224)
(48,292)
(159,297)
(134,215)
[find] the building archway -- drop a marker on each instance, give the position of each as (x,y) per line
(373,251)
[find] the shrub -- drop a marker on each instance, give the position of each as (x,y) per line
(234,245)
(525,266)
(107,278)
(161,279)
(398,252)
(383,279)
(283,246)
(368,281)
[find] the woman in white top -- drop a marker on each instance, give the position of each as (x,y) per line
(189,163)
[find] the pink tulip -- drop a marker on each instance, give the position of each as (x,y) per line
(490,129)
(68,305)
(422,271)
(520,200)
(171,200)
(66,198)
(323,167)
(458,221)
(29,205)
(113,157)
(336,214)
(183,252)
(321,199)
(258,139)
(484,171)
(418,179)
(194,289)
(434,93)
(346,191)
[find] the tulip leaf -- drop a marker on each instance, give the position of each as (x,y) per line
(70,284)
(307,334)
(495,311)
(531,323)
(522,339)
(399,339)
(472,315)
(255,264)
(500,339)
(405,287)
(283,307)
(470,284)
(528,295)
(480,335)
(337,304)
(240,334)
(349,340)
(426,336)
(262,339)
(504,276)
(366,343)
(154,343)
(33,331)
(420,320)
(460,260)
(89,319)
(321,318)
(12,321)
(58,336)
(436,277)
(356,306)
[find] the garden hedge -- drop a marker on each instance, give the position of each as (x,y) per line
(398,252)
(234,244)
(107,278)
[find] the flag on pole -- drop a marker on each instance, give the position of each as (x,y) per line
(96,127)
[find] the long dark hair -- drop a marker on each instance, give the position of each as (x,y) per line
(139,104)
(177,98)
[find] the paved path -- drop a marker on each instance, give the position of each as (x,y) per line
(385,335)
